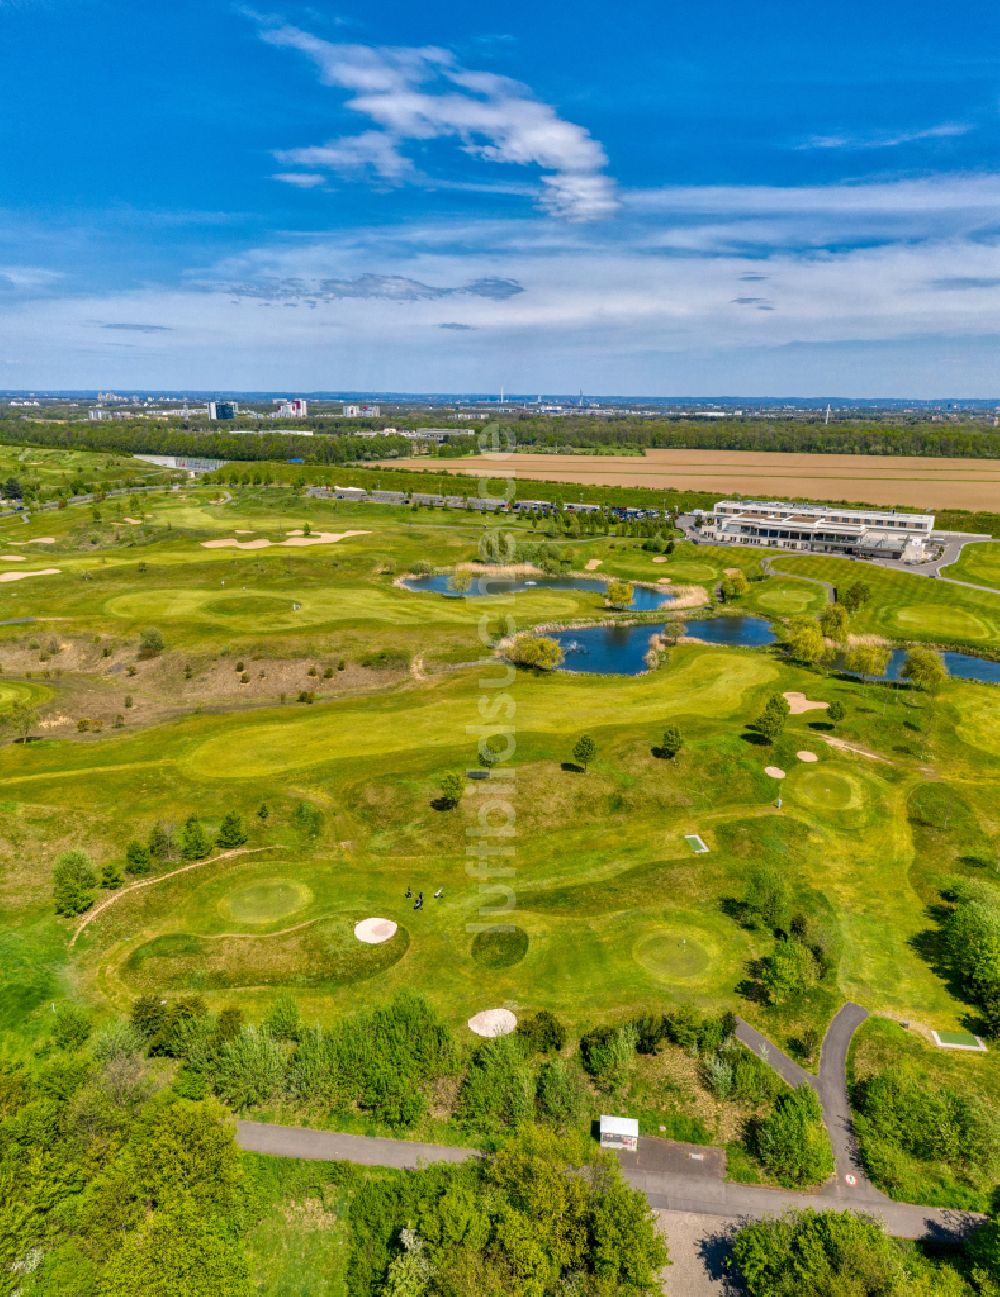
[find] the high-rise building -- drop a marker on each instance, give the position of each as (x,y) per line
(222,410)
(292,408)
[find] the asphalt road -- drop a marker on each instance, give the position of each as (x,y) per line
(671,1176)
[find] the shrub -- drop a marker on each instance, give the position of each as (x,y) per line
(194,840)
(542,1032)
(671,742)
(71,1026)
(497,1091)
(111,875)
(538,653)
(231,832)
(137,858)
(250,1069)
(452,787)
(607,1053)
(792,1143)
(150,643)
(560,1094)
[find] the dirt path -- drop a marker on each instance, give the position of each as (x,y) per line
(106,904)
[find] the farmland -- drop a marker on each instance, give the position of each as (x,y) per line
(913,482)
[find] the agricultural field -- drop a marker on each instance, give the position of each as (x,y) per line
(909,481)
(213,652)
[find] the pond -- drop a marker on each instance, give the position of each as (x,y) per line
(644,598)
(606,650)
(963,666)
(742,632)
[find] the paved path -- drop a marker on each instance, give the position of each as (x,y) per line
(831,591)
(789,1071)
(670,1175)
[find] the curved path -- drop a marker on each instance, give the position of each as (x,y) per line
(851,1180)
(767,565)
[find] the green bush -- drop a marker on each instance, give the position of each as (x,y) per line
(74,883)
(792,1143)
(497,1091)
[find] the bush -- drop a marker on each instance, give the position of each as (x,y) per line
(150,643)
(71,1026)
(74,883)
(137,858)
(560,1094)
(250,1069)
(231,832)
(497,1091)
(607,1053)
(452,787)
(537,653)
(542,1033)
(792,1143)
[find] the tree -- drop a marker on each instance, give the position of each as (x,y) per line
(21,718)
(792,1142)
(856,596)
(733,586)
(789,970)
(805,641)
(137,858)
(584,751)
(111,875)
(619,593)
(460,582)
(12,489)
(560,1094)
(150,643)
(452,787)
(770,724)
(263,812)
(74,883)
(539,653)
(231,832)
(767,898)
(542,1032)
(870,661)
(671,742)
(924,669)
(194,840)
(161,842)
(834,622)
(836,712)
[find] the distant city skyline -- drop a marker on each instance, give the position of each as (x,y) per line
(389,198)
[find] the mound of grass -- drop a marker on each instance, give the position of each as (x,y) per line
(500,947)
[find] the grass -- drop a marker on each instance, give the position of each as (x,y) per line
(612,911)
(979,564)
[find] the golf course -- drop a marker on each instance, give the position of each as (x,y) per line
(156,677)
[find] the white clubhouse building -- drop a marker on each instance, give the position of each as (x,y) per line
(821,529)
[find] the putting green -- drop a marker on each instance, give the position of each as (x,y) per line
(789,600)
(671,954)
(265,902)
(500,948)
(828,790)
(934,619)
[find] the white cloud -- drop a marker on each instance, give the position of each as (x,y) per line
(300,179)
(889,140)
(423,94)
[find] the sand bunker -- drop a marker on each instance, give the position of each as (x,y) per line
(774,771)
(42,540)
(493,1022)
(21,576)
(244,531)
(807,756)
(374,931)
(799,703)
(133,522)
(321,538)
(593,564)
(12,558)
(295,531)
(659,559)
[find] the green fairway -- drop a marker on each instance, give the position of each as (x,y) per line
(979,563)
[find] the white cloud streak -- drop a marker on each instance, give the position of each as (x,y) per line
(418,95)
(889,140)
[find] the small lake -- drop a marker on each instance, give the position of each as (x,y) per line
(644,599)
(605,650)
(736,631)
(963,666)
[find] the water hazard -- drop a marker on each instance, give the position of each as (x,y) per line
(644,598)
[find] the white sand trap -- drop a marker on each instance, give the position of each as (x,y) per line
(774,771)
(21,576)
(660,558)
(244,531)
(324,538)
(807,756)
(133,522)
(12,558)
(321,538)
(493,1022)
(42,540)
(295,531)
(232,543)
(593,564)
(374,931)
(799,703)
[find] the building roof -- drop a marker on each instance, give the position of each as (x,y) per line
(822,510)
(620,1126)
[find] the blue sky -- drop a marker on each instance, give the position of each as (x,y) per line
(656,198)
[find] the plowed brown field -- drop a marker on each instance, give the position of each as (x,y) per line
(873,479)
